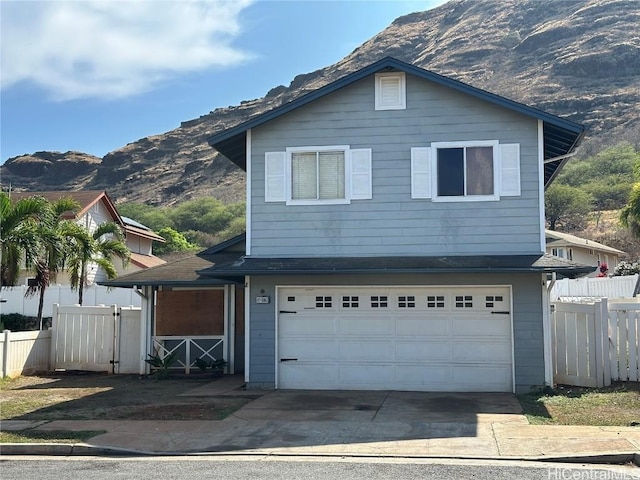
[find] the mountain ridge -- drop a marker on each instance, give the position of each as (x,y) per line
(575,58)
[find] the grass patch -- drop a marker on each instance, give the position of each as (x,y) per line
(95,396)
(617,405)
(53,436)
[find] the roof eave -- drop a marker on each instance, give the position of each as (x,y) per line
(570,272)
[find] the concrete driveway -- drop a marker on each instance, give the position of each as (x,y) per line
(370,422)
(384,406)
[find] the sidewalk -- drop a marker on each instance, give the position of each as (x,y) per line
(270,426)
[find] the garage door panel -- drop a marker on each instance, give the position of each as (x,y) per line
(433,351)
(296,324)
(481,378)
(323,349)
(366,325)
(482,325)
(372,376)
(422,325)
(418,377)
(396,338)
(481,352)
(305,376)
(366,350)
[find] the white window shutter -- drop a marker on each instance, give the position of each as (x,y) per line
(361,174)
(421,172)
(510,170)
(275,176)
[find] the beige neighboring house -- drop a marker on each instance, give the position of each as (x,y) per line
(581,250)
(95,208)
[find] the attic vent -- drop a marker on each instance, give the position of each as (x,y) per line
(391,91)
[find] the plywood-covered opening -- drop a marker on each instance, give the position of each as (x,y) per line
(190,312)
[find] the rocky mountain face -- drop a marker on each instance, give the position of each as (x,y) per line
(578,59)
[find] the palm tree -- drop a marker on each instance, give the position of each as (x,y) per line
(100,248)
(54,237)
(19,239)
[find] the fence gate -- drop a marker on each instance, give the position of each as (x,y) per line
(101,339)
(581,344)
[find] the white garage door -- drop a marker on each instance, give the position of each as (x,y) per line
(395,338)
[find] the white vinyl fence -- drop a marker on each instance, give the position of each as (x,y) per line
(590,287)
(596,342)
(16,302)
(24,352)
(103,339)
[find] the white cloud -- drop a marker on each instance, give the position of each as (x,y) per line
(112,49)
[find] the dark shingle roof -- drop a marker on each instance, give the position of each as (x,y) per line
(391,265)
(182,272)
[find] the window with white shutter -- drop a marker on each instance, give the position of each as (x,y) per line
(312,175)
(361,174)
(465,171)
(390,91)
(421,172)
(275,177)
(510,169)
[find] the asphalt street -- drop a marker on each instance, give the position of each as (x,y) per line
(196,468)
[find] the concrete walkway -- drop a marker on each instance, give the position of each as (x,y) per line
(319,423)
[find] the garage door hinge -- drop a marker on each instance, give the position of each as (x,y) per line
(501,312)
(287,311)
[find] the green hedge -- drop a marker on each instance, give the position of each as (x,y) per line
(22,323)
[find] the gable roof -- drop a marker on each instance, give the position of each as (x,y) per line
(86,199)
(566,239)
(561,136)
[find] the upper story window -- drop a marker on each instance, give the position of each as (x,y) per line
(391,91)
(318,175)
(465,171)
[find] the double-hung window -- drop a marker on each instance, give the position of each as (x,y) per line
(318,175)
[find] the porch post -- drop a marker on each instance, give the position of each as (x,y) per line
(231,289)
(146,333)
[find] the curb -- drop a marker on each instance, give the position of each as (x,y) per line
(64,449)
(80,449)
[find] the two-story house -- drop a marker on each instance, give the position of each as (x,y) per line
(395,237)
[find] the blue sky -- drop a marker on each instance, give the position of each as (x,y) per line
(94,76)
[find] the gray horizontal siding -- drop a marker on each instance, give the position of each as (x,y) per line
(392,223)
(527,317)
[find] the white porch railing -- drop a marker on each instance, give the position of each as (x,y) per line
(189,349)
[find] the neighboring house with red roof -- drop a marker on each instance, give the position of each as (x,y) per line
(96,207)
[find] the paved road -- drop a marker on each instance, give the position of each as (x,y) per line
(196,468)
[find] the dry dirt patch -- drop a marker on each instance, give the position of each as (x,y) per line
(94,396)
